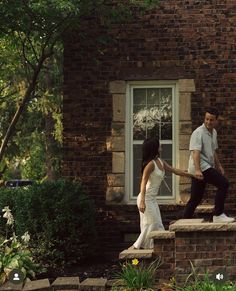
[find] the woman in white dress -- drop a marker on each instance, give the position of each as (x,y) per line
(153,172)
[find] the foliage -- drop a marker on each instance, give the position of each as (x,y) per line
(14,251)
(26,154)
(30,40)
(138,276)
(196,282)
(60,219)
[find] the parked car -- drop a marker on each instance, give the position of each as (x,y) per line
(18,183)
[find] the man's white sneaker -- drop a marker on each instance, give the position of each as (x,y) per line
(222,218)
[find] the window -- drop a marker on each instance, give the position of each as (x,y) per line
(151,112)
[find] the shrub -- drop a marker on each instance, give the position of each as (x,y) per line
(14,251)
(60,219)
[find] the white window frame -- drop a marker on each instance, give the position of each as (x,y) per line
(129,138)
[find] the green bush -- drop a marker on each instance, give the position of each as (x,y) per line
(59,217)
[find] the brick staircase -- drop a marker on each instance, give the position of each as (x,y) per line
(209,246)
(203,211)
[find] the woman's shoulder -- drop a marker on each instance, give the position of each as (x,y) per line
(160,164)
(160,160)
(150,165)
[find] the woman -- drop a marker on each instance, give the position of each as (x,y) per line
(153,172)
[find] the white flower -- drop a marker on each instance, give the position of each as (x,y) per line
(14,237)
(25,237)
(8,215)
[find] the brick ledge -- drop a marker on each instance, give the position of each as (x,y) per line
(196,225)
(136,254)
(162,234)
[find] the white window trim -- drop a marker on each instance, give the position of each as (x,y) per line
(129,145)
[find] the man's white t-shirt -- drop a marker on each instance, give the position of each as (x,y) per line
(205,142)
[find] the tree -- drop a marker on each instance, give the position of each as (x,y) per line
(34,28)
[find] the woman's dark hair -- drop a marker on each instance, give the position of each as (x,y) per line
(150,150)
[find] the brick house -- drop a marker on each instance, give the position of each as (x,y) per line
(152,76)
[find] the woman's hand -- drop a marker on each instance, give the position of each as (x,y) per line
(142,206)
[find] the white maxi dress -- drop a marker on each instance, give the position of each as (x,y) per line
(150,220)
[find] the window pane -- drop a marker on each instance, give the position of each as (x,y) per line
(166,131)
(152,117)
(164,190)
(139,96)
(166,155)
(154,132)
(166,105)
(137,160)
(153,97)
(139,122)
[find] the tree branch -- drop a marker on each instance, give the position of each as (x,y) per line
(22,106)
(24,51)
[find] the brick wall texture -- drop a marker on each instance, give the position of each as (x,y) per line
(184,39)
(207,251)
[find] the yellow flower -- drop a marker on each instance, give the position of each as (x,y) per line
(135,262)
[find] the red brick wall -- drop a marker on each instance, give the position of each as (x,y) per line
(208,251)
(178,39)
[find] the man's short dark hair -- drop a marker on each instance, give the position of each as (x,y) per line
(213,111)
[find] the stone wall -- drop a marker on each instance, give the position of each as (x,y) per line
(179,40)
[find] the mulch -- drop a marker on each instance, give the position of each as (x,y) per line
(93,268)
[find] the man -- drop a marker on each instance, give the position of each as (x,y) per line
(204,163)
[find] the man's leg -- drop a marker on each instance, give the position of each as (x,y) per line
(197,191)
(212,176)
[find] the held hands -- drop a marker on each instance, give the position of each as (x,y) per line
(198,175)
(142,206)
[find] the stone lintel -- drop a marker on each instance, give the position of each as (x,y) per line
(185,106)
(202,226)
(118,162)
(115,194)
(118,104)
(117,87)
(184,141)
(136,254)
(183,159)
(116,143)
(41,285)
(186,85)
(118,128)
(162,234)
(94,282)
(185,127)
(66,283)
(116,180)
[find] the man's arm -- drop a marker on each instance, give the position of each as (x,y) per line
(196,160)
(218,164)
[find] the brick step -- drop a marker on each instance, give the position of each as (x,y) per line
(205,208)
(136,254)
(61,283)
